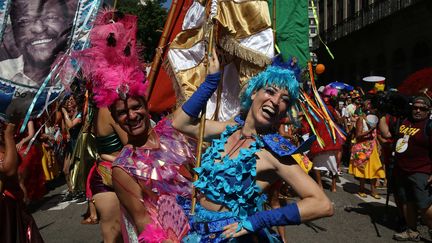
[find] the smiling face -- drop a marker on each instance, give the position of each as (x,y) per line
(70,104)
(40,29)
(269,105)
(132,115)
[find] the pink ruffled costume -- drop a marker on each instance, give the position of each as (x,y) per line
(158,169)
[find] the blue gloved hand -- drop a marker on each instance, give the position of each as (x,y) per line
(199,98)
(287,215)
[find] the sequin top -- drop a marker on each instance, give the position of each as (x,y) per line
(231,181)
(158,168)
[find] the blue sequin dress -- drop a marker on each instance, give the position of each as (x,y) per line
(229,182)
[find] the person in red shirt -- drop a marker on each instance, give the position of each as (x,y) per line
(413,168)
(326,158)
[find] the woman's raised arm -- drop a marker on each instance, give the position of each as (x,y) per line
(186,117)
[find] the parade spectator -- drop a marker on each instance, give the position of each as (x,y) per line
(328,157)
(109,136)
(412,175)
(72,120)
(16,224)
(100,192)
(47,139)
(350,110)
(30,171)
(365,162)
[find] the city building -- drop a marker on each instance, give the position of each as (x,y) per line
(390,38)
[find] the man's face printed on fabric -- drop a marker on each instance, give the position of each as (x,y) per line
(41,28)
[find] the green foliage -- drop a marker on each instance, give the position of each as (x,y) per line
(151,19)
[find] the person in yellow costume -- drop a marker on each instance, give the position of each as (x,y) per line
(365,162)
(49,164)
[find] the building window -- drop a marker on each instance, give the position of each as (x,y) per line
(381,63)
(399,68)
(421,55)
(330,22)
(339,11)
(365,71)
(321,15)
(365,4)
(351,8)
(313,30)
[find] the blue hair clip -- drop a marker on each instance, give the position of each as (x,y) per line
(291,64)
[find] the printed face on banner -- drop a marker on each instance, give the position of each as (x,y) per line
(37,31)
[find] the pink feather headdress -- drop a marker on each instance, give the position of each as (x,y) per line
(111,62)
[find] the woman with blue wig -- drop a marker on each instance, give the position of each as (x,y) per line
(245,157)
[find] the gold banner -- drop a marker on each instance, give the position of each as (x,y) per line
(190,79)
(188,38)
(243,19)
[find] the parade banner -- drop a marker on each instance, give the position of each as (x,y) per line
(33,35)
(162,97)
(292,33)
(244,34)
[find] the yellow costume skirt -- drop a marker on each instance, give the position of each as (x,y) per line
(372,169)
(49,164)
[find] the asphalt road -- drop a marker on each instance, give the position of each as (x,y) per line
(356,219)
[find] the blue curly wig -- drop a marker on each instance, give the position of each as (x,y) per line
(272,76)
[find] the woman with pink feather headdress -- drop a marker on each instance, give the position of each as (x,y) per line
(149,171)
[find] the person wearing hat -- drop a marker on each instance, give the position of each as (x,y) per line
(365,163)
(413,168)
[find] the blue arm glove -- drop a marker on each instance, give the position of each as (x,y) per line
(287,215)
(198,100)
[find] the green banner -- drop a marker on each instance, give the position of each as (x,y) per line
(292,28)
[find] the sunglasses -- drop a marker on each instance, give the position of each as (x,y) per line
(420,108)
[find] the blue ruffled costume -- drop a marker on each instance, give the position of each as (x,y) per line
(229,182)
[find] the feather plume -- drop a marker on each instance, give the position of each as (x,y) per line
(112,60)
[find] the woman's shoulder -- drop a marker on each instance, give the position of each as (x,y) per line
(271,160)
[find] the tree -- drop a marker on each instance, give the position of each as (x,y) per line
(151,19)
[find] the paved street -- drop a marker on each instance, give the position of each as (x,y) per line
(356,219)
(60,222)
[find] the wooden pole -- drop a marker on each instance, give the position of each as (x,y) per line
(157,60)
(218,98)
(198,161)
(201,129)
(274,22)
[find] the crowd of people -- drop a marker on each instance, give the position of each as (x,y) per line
(136,173)
(45,147)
